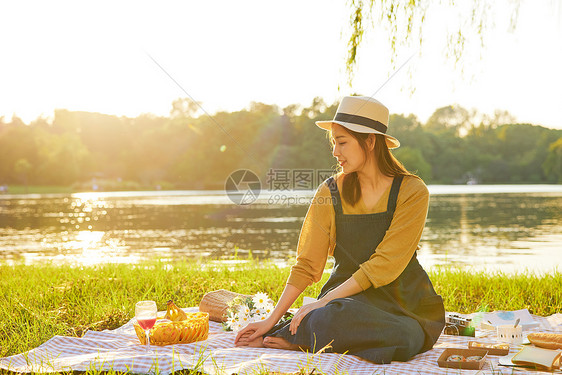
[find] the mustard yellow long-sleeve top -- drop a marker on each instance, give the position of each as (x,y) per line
(318,235)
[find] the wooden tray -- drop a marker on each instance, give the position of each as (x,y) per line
(472,365)
(492,348)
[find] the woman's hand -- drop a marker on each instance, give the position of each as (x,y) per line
(249,335)
(303,311)
(252,334)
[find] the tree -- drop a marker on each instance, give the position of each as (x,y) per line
(16,142)
(414,162)
(195,153)
(22,168)
(16,121)
(405,129)
(318,106)
(553,165)
(184,107)
(451,117)
(63,159)
(404,21)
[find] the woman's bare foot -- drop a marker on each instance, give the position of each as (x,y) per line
(255,343)
(280,343)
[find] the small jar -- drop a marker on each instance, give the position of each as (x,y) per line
(510,334)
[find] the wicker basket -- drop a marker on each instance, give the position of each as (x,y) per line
(216,303)
(194,328)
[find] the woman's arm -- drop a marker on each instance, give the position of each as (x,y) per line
(346,289)
(316,238)
(312,253)
(254,330)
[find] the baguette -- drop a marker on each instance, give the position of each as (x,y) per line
(546,340)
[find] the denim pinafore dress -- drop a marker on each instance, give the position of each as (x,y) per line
(392,322)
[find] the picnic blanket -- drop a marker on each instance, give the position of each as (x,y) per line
(120,350)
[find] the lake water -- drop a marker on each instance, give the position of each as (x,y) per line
(501,227)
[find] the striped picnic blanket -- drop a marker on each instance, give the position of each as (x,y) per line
(120,350)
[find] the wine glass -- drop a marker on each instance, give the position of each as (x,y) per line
(145,312)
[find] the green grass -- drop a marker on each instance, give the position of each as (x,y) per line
(40,301)
(34,189)
(468,291)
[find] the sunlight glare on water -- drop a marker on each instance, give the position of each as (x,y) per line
(507,227)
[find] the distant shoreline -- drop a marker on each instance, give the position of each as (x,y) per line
(19,190)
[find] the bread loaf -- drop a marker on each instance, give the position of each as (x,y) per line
(546,340)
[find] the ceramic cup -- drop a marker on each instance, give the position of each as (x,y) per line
(509,334)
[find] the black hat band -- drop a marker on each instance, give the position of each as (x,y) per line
(360,120)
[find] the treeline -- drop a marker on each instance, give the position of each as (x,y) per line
(190,150)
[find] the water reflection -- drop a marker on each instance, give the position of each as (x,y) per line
(509,231)
(502,230)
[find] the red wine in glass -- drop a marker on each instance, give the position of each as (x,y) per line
(146,324)
(145,312)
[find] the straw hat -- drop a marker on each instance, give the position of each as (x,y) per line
(362,114)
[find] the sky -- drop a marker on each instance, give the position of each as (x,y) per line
(118,57)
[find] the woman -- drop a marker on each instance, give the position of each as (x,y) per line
(378,303)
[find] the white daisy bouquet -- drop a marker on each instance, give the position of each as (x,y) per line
(244,310)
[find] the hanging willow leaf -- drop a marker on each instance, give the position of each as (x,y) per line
(404,22)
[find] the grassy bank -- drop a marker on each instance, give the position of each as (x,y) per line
(104,186)
(36,189)
(38,302)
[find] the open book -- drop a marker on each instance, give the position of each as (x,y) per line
(498,318)
(530,356)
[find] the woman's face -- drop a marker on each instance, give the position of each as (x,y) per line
(347,150)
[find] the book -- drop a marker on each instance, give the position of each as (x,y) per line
(538,358)
(499,318)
